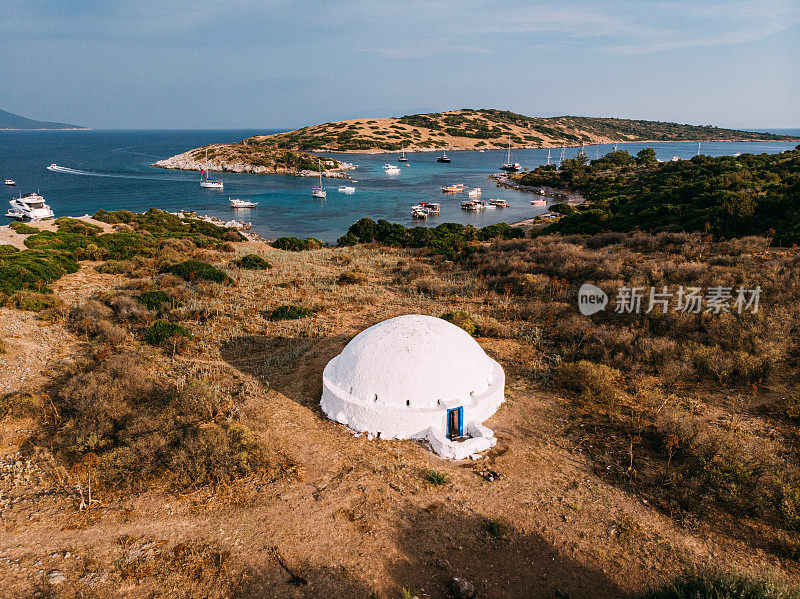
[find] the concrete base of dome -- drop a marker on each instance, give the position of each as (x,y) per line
(479,438)
(430,424)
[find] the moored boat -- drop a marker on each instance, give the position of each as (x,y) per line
(10,182)
(349,189)
(498,203)
(204,180)
(443,157)
(456,188)
(237,203)
(509,166)
(319,192)
(30,206)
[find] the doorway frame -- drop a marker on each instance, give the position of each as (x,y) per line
(460,411)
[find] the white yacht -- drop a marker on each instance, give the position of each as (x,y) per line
(205,181)
(30,206)
(474,192)
(319,192)
(390,169)
(53,167)
(237,203)
(349,189)
(10,182)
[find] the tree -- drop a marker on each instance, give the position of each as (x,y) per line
(646,157)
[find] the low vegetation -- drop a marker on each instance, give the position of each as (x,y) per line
(720,585)
(727,197)
(288,312)
(252,262)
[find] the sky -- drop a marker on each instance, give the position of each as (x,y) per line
(175,64)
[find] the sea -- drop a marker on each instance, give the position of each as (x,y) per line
(111,169)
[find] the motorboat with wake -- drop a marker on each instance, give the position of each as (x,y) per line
(348,189)
(390,169)
(10,182)
(30,206)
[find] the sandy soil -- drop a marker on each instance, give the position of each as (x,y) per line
(354,517)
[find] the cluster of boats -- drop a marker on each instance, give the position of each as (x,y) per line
(423,209)
(483,205)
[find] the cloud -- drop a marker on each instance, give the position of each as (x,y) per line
(724,38)
(422,50)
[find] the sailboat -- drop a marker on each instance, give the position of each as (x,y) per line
(319,192)
(548,156)
(443,157)
(402,157)
(205,181)
(508,165)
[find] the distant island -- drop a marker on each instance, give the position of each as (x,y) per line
(11,121)
(489,129)
(465,129)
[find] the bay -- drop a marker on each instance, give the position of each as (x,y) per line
(111,170)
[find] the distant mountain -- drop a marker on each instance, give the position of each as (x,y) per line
(9,120)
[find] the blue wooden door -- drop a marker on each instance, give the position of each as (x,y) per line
(455,422)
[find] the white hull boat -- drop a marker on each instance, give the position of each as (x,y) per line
(237,203)
(30,206)
(205,181)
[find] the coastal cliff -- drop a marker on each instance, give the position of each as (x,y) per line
(244,157)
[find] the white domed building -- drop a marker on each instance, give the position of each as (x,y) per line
(416,377)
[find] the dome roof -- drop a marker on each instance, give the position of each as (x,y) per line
(416,361)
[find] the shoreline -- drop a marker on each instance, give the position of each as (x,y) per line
(412,150)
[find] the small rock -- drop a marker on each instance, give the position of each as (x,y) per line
(461,588)
(55,577)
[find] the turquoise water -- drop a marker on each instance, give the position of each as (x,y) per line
(113,171)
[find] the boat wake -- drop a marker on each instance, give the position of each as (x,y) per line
(74,171)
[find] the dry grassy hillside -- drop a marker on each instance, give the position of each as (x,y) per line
(469,129)
(629,449)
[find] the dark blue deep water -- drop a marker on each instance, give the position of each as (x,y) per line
(115,173)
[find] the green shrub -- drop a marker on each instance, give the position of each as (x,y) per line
(287,312)
(461,320)
(153,300)
(352,277)
(252,262)
(116,267)
(717,585)
(294,244)
(7,250)
(31,301)
(191,270)
(24,228)
(161,330)
(595,383)
(435,478)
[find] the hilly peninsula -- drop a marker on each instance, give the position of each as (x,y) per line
(11,121)
(465,129)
